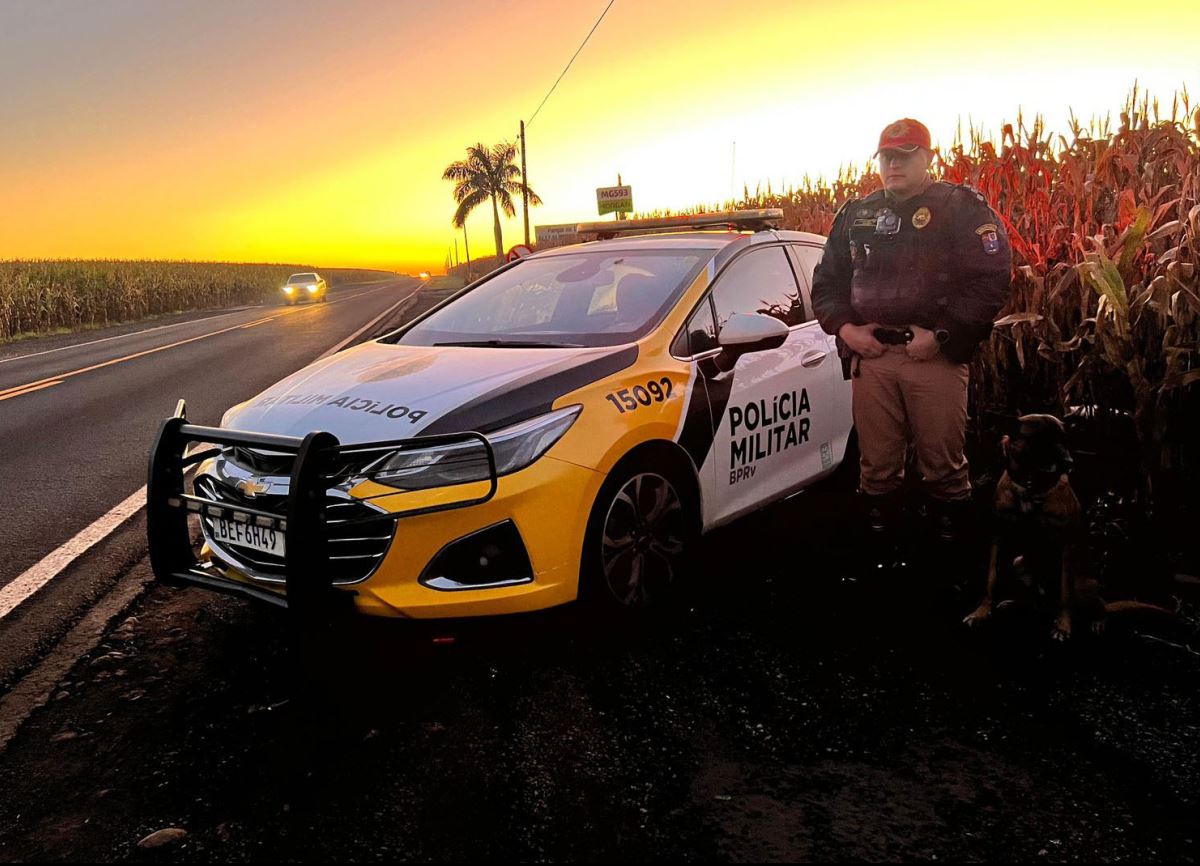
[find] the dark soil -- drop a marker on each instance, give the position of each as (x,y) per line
(799,703)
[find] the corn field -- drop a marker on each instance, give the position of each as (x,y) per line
(1105,230)
(42,296)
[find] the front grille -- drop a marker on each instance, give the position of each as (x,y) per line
(354,551)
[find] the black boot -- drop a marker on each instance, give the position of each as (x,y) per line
(951,519)
(881,512)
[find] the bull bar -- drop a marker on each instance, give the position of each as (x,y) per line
(309,591)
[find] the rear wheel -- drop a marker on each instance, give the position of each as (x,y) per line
(641,529)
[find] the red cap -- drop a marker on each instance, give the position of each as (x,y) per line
(905,134)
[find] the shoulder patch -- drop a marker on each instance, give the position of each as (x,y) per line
(985,228)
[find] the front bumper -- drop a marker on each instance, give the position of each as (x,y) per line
(542,506)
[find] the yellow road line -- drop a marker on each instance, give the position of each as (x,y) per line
(259,322)
(7,394)
(60,376)
(17,390)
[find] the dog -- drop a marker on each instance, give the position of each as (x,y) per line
(1039,542)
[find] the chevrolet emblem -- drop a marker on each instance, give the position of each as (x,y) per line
(251,487)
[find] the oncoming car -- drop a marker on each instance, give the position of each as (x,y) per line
(562,428)
(305,287)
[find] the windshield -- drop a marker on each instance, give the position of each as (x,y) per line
(302,278)
(591,298)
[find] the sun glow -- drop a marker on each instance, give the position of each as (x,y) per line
(125,140)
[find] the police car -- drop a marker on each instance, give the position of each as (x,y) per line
(564,427)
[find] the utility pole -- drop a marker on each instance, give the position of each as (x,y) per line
(620,215)
(524,185)
(467,247)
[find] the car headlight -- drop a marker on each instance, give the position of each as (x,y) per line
(514,448)
(288,290)
(312,288)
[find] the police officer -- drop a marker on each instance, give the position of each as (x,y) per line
(911,280)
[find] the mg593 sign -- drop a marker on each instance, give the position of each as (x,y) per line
(614,199)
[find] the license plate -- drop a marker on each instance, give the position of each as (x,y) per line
(260,538)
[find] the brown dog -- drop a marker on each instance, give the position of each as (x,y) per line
(1039,545)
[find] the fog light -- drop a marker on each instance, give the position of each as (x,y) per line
(487,559)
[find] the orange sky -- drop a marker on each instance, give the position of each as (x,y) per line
(316,132)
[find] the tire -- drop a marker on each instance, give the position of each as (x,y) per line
(642,528)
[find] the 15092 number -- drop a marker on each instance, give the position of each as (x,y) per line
(628,399)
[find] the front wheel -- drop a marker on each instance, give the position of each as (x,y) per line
(639,534)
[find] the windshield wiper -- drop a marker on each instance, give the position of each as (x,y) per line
(511,344)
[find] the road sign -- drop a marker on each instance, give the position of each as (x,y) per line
(614,199)
(520,251)
(556,235)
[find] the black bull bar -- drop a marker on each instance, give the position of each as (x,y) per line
(309,589)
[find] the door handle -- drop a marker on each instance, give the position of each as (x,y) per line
(812,359)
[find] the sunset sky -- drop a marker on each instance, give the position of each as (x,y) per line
(316,132)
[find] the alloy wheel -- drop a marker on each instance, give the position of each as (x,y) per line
(642,540)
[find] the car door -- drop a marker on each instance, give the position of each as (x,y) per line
(775,432)
(805,258)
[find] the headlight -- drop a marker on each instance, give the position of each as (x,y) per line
(288,289)
(312,288)
(514,447)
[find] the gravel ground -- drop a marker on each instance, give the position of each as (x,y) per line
(796,705)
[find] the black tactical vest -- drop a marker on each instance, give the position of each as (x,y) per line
(902,254)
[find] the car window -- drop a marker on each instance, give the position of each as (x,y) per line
(592,298)
(701,331)
(809,258)
(302,278)
(759,281)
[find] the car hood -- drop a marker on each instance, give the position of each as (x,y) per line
(378,391)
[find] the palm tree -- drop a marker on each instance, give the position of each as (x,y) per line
(488,173)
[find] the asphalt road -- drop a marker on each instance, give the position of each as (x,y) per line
(78,414)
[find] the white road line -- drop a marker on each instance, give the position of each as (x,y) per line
(118,337)
(164,327)
(37,576)
(352,337)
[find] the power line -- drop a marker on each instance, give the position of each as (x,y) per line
(572,60)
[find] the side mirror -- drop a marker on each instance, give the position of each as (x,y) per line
(748,332)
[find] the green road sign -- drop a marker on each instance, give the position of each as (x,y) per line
(614,199)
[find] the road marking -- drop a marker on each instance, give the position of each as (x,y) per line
(37,576)
(259,322)
(118,337)
(335,300)
(6,395)
(111,361)
(352,337)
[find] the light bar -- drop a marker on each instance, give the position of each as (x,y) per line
(739,220)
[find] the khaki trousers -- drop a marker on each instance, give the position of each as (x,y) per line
(898,401)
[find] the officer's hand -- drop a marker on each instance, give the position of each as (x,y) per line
(861,339)
(924,344)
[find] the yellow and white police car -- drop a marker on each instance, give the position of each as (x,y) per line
(564,427)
